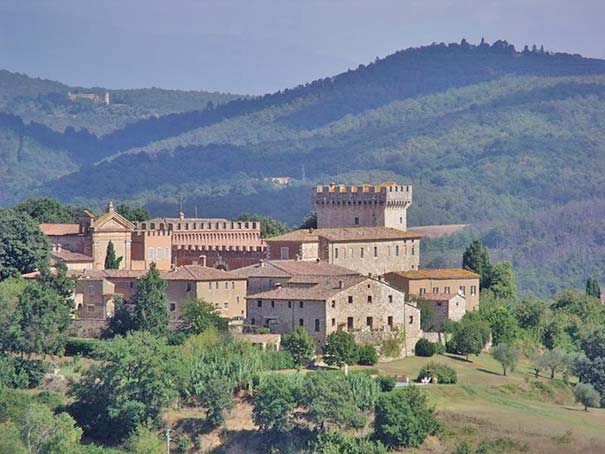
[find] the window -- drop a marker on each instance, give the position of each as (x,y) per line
(422,291)
(172,307)
(232,285)
(158,253)
(226,305)
(350,299)
(370,322)
(131,284)
(301,322)
(167,253)
(284,253)
(150,253)
(188,286)
(317,325)
(435,289)
(289,304)
(209,285)
(397,250)
(259,303)
(473,289)
(401,220)
(388,251)
(369,299)
(411,320)
(356,221)
(333,322)
(349,322)
(351,252)
(272,303)
(375,251)
(336,253)
(390,298)
(252,321)
(462,290)
(301,305)
(90,308)
(361,252)
(390,320)
(333,303)
(91,290)
(237,300)
(226,285)
(446,290)
(216,285)
(413,250)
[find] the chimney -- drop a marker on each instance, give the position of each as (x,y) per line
(203,260)
(262,263)
(110,207)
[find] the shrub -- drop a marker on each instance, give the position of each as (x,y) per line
(21,373)
(403,418)
(272,360)
(425,347)
(274,403)
(444,373)
(365,390)
(586,395)
(300,344)
(367,355)
(338,443)
(81,347)
(340,348)
(386,383)
(439,348)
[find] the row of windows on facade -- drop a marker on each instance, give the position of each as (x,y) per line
(171,306)
(196,225)
(301,304)
(156,254)
(350,322)
(211,285)
(375,250)
(356,220)
(447,290)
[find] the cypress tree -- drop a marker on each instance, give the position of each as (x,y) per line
(476,259)
(150,311)
(592,288)
(111,262)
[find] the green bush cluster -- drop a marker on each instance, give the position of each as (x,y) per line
(386,383)
(21,373)
(445,374)
(426,348)
(78,346)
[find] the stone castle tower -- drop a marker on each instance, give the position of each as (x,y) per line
(384,205)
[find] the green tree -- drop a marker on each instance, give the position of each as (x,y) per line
(217,397)
(333,442)
(269,227)
(310,221)
(300,344)
(427,315)
(122,322)
(592,288)
(506,355)
(135,214)
(367,355)
(150,303)
(529,312)
(58,279)
(43,318)
(469,336)
(10,441)
(502,322)
(134,379)
(554,359)
(274,403)
(145,440)
(10,330)
(502,281)
(198,316)
(365,390)
(111,261)
(23,246)
(476,259)
(340,348)
(48,211)
(44,432)
(404,418)
(586,395)
(329,402)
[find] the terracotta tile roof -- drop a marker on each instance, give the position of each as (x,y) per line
(287,268)
(60,229)
(319,289)
(200,273)
(346,234)
(443,273)
(67,256)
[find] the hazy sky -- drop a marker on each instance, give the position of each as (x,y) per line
(258,46)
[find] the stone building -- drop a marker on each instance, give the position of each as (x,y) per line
(418,283)
(446,306)
(383,205)
(366,250)
(266,275)
(369,308)
(97,290)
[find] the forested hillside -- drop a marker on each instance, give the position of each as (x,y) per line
(508,141)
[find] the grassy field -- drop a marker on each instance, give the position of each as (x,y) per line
(517,413)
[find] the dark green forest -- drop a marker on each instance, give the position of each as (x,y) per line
(508,141)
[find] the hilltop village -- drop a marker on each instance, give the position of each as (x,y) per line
(357,271)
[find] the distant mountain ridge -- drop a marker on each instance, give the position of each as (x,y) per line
(488,135)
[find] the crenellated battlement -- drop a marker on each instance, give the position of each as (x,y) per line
(366,205)
(185,225)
